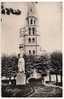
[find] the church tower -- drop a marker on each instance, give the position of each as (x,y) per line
(31,36)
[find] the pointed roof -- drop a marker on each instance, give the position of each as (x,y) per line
(31,9)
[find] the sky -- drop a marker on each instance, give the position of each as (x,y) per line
(49,16)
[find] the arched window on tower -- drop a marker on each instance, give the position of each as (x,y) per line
(33,52)
(33,30)
(31,21)
(34,21)
(33,40)
(29,40)
(29,31)
(29,52)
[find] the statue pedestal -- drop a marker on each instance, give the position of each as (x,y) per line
(20,78)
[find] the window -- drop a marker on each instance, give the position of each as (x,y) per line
(33,40)
(33,51)
(33,29)
(30,10)
(34,21)
(29,40)
(31,21)
(29,31)
(29,51)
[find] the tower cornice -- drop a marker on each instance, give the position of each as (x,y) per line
(31,17)
(32,35)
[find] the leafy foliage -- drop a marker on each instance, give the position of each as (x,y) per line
(43,63)
(56,61)
(9,66)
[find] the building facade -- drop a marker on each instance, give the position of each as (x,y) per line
(31,36)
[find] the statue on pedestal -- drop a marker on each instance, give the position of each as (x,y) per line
(21,77)
(21,64)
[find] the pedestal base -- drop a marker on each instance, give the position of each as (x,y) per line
(21,79)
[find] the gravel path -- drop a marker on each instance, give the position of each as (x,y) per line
(32,91)
(46,91)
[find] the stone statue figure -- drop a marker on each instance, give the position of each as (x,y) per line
(21,77)
(21,64)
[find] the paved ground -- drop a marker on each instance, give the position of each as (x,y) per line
(46,91)
(34,91)
(16,91)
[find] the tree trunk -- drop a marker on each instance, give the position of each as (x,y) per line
(56,79)
(61,78)
(49,77)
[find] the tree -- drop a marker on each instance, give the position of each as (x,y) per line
(4,65)
(9,66)
(56,62)
(45,62)
(28,65)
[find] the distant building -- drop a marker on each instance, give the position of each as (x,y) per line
(35,78)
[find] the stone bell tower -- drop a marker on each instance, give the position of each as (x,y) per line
(31,35)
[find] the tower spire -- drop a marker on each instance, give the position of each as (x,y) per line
(31,9)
